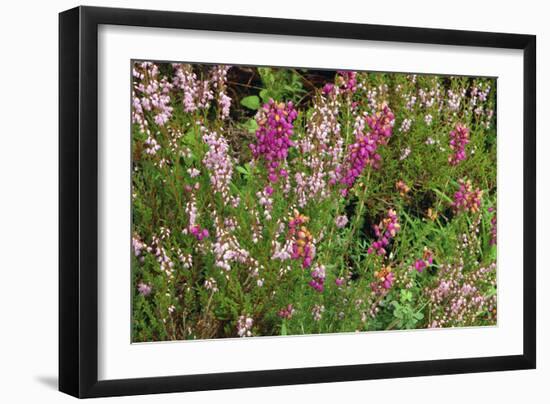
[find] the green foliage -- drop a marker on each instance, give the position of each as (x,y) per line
(280,84)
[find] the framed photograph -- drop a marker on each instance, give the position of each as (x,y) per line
(251,201)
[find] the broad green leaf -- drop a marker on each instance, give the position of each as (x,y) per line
(251,102)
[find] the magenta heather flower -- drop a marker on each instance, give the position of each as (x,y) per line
(458,139)
(363,151)
(328,88)
(341,221)
(347,81)
(318,275)
(466,198)
(200,234)
(385,231)
(384,280)
(286,312)
(275,129)
(144,289)
(339,281)
(427,259)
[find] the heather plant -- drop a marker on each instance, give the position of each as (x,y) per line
(279,201)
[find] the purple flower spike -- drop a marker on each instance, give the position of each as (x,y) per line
(275,129)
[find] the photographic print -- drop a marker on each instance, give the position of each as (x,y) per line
(278,201)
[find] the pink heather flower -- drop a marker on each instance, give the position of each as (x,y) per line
(318,275)
(458,139)
(275,129)
(363,151)
(200,234)
(419,265)
(196,93)
(219,164)
(144,289)
(339,281)
(427,259)
(466,199)
(218,79)
(328,88)
(138,246)
(150,94)
(193,172)
(341,221)
(384,280)
(317,312)
(347,81)
(384,231)
(286,312)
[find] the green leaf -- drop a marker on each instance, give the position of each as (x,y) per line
(251,102)
(251,125)
(242,170)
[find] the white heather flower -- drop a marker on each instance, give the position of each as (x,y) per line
(341,221)
(405,153)
(193,172)
(244,326)
(405,125)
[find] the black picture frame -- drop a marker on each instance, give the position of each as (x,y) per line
(78,201)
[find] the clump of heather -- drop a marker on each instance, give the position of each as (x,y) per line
(218,78)
(363,152)
(220,166)
(274,201)
(302,247)
(385,231)
(318,275)
(458,139)
(346,80)
(273,136)
(195,94)
(466,199)
(459,297)
(384,280)
(150,94)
